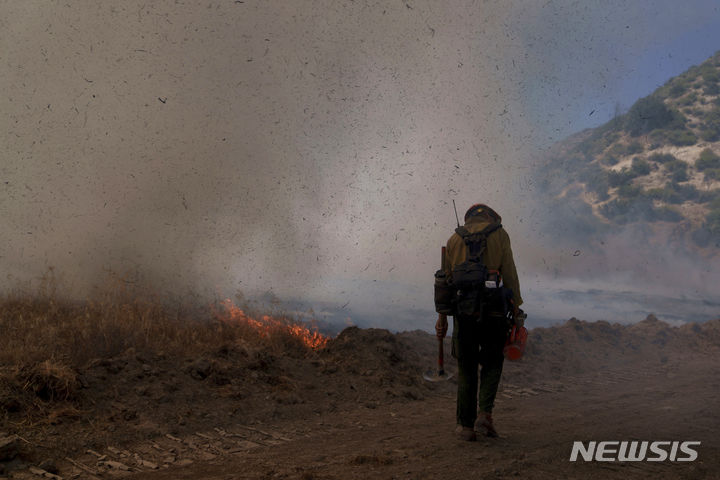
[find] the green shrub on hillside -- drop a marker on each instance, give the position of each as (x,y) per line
(709,233)
(681,137)
(676,193)
(679,176)
(712,174)
(685,192)
(688,100)
(710,126)
(609,160)
(624,149)
(635,147)
(623,177)
(617,210)
(596,180)
(710,81)
(598,142)
(707,160)
(710,135)
(629,191)
(640,166)
(626,210)
(713,115)
(618,150)
(678,170)
(651,113)
(589,148)
(678,88)
(667,214)
(708,196)
(662,157)
(666,195)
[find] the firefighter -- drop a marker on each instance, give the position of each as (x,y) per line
(482,317)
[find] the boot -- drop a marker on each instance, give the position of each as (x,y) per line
(465,434)
(484,425)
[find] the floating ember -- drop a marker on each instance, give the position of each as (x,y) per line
(268,325)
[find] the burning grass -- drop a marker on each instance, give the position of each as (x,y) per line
(47,345)
(63,332)
(271,327)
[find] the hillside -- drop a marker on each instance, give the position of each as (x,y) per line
(656,166)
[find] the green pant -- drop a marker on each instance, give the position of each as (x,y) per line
(478,341)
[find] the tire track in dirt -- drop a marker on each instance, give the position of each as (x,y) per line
(539,413)
(538,423)
(165,452)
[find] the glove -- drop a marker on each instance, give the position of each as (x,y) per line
(441,326)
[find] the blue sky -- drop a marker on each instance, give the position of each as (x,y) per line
(593,57)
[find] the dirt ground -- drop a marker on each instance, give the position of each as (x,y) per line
(360,409)
(537,430)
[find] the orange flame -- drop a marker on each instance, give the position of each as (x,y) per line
(267,325)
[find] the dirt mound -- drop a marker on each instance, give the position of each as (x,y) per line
(709,331)
(363,351)
(379,364)
(578,347)
(138,394)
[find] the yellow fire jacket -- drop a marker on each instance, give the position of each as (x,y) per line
(497,256)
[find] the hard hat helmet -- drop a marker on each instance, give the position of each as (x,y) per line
(480,209)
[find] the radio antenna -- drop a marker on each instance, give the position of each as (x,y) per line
(456,215)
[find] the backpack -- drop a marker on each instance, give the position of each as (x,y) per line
(476,285)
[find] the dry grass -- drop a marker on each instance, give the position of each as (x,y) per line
(48,334)
(49,380)
(47,343)
(40,329)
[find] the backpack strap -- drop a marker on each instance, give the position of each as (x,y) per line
(476,242)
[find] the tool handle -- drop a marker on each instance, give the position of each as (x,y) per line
(442,319)
(441,353)
(441,357)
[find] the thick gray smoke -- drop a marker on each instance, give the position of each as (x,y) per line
(260,144)
(306,148)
